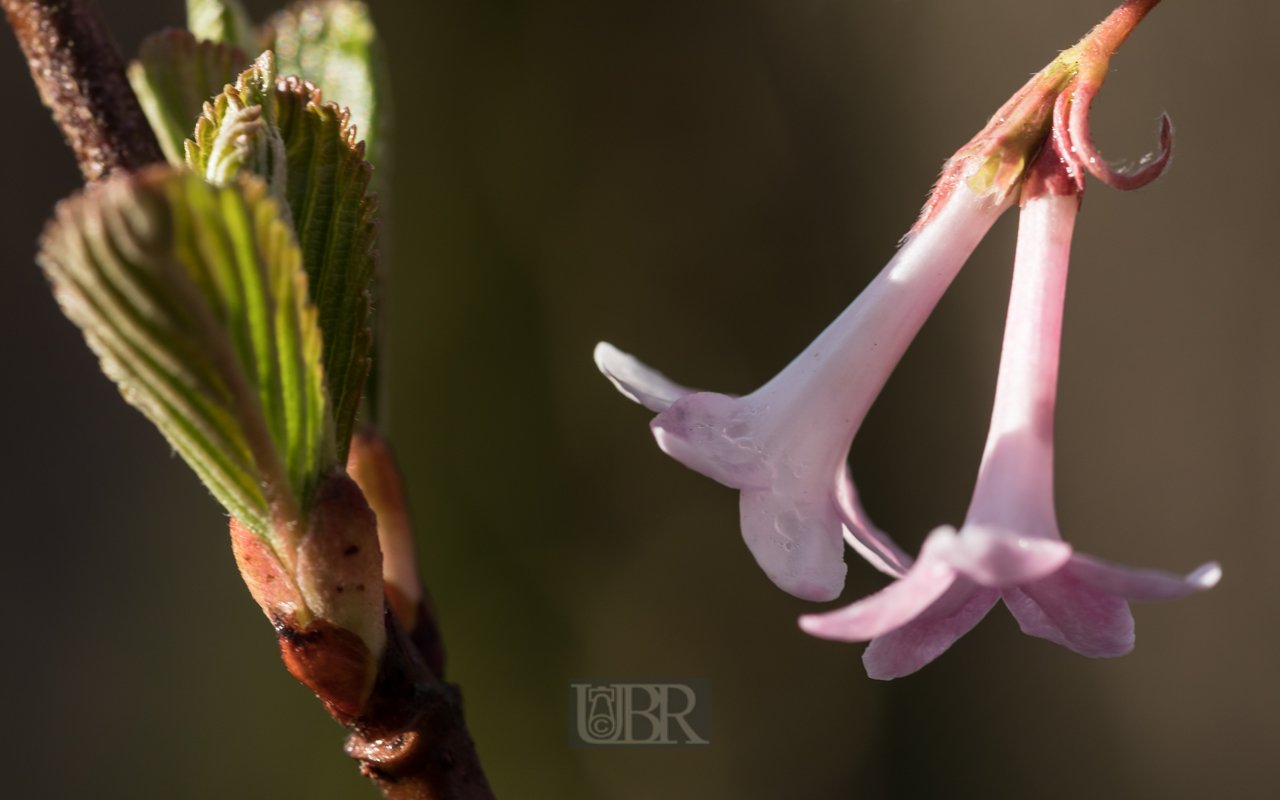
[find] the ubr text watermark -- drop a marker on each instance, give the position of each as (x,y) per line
(640,714)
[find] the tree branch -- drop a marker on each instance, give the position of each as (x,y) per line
(81,78)
(408,731)
(412,739)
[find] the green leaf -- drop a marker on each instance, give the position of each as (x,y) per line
(333,44)
(333,212)
(194,299)
(222,21)
(326,185)
(238,130)
(174,75)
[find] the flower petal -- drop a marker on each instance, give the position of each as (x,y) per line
(869,541)
(893,606)
(641,383)
(796,541)
(1134,583)
(905,650)
(996,557)
(1065,610)
(1031,619)
(714,434)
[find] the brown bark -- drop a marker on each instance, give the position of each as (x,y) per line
(411,738)
(81,78)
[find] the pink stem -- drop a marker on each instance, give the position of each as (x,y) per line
(1106,38)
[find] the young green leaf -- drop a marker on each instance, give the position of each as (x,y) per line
(195,301)
(333,44)
(174,75)
(238,130)
(333,212)
(222,21)
(326,185)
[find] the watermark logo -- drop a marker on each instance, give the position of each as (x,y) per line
(640,714)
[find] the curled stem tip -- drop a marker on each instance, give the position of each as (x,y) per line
(1082,153)
(1071,130)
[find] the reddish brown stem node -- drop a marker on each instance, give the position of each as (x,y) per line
(81,78)
(412,739)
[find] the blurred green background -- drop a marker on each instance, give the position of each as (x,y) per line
(706,184)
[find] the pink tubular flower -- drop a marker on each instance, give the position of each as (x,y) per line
(785,445)
(1009,546)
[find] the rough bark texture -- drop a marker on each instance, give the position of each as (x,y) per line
(412,738)
(81,78)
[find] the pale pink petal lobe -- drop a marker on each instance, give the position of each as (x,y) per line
(1031,619)
(641,383)
(1135,583)
(1065,610)
(906,649)
(891,607)
(796,541)
(713,434)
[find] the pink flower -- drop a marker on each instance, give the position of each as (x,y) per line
(785,445)
(1009,546)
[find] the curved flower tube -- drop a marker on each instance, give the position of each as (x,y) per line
(785,445)
(1010,546)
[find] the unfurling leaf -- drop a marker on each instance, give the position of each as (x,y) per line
(222,21)
(195,301)
(333,44)
(326,185)
(174,75)
(238,130)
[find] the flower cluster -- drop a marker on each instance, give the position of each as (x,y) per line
(785,445)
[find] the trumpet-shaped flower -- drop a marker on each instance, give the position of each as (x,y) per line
(784,446)
(1009,546)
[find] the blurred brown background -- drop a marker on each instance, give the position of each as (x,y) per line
(706,184)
